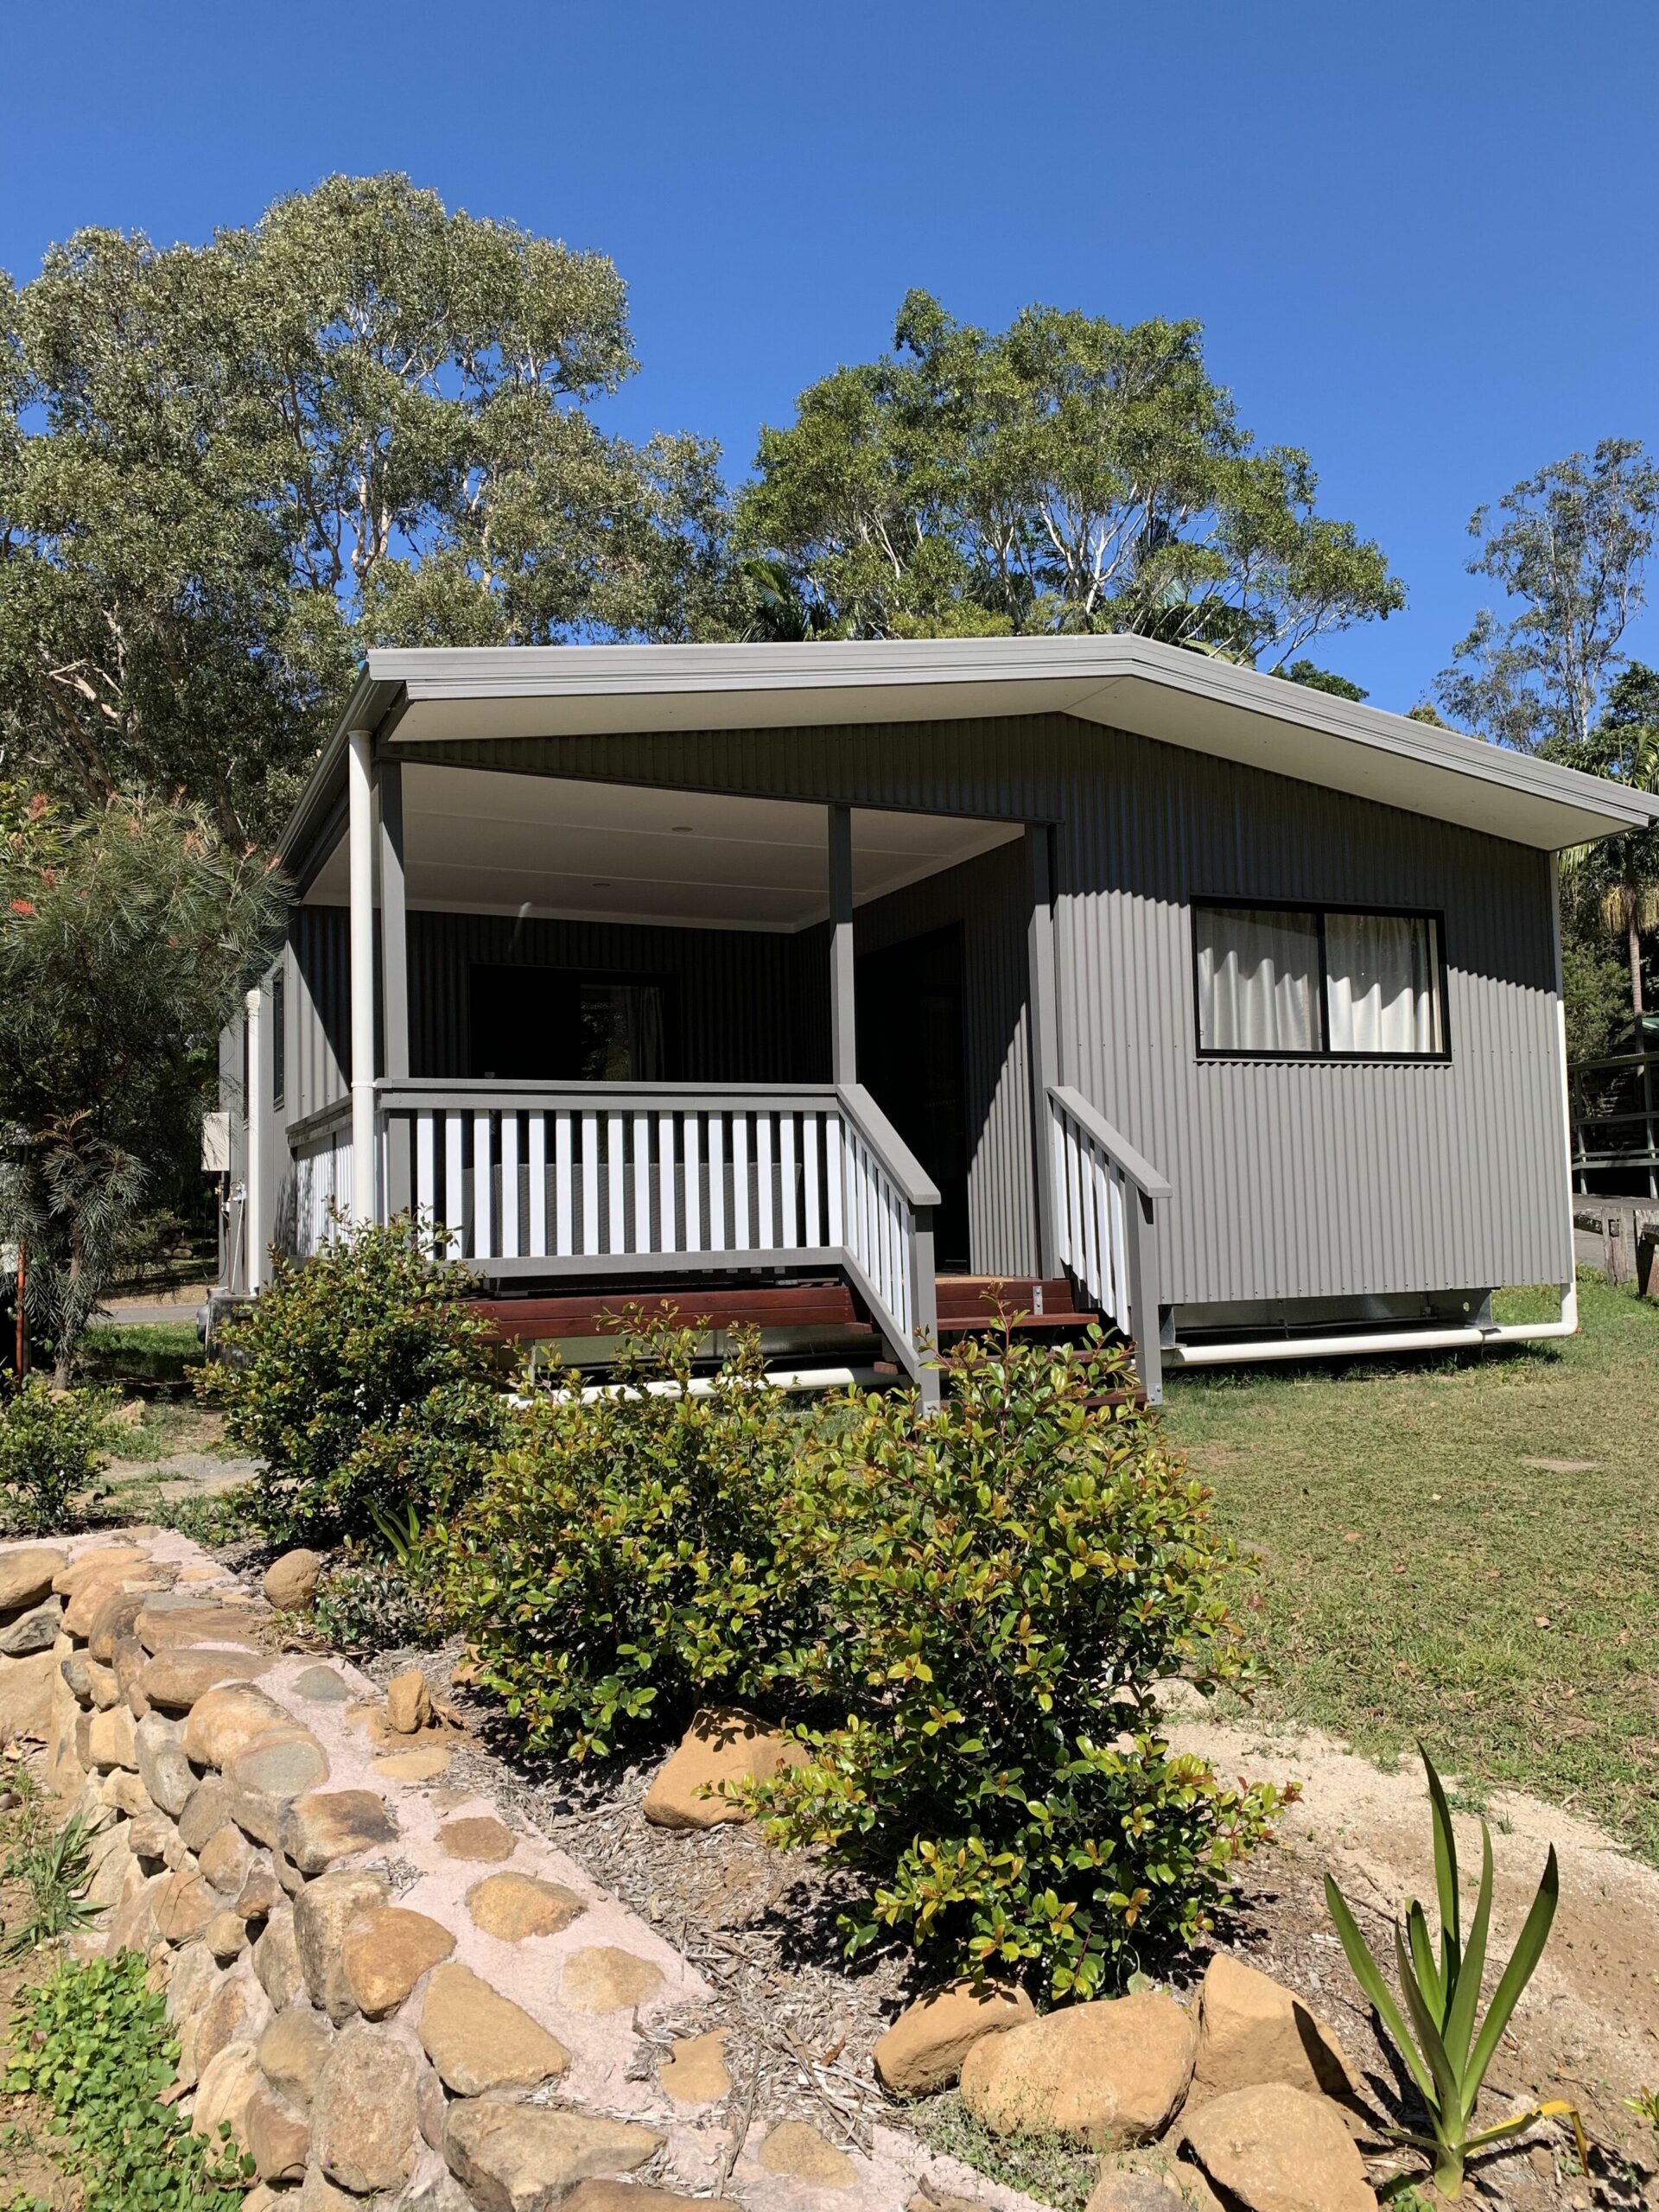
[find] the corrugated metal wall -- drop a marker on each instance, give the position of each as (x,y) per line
(1291,1179)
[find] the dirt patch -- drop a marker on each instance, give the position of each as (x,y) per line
(26,2166)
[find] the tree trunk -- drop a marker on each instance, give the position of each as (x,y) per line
(63,1351)
(1633,945)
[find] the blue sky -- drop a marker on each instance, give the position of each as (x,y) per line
(1421,237)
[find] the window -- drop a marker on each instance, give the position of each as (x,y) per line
(1304,982)
(278,1039)
(541,1024)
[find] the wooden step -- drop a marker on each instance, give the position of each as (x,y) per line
(594,1313)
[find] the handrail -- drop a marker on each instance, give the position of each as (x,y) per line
(889,1147)
(427,1094)
(1139,1170)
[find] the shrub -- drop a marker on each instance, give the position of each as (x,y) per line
(375,1605)
(335,1353)
(616,1566)
(1012,1580)
(50,1444)
(94,2045)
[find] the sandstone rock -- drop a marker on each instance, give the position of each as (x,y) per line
(479,2040)
(163,1768)
(118,1559)
(112,1741)
(795,2148)
(1118,2191)
(129,1661)
(291,2053)
(605,2195)
(266,1777)
(723,1743)
(1108,2073)
(131,1926)
(276,1959)
(176,1680)
(150,1839)
(206,1810)
(225,1859)
(113,1620)
(26,1575)
(224,2093)
(409,1702)
(225,1936)
(386,1954)
(515,1907)
(364,2125)
(924,2049)
(606,1980)
(481,1837)
(184,1907)
(317,2194)
(223,1722)
(320,1827)
(323,1911)
(436,2192)
(26,1697)
(82,1610)
(100,1681)
(191,1984)
(279,2138)
(114,1872)
(71,1666)
(261,1893)
(1276,2149)
(238,2010)
(524,2158)
(696,2074)
(1251,2029)
(125,1792)
(290,1582)
(169,1623)
(322,1686)
(422,1765)
(35,1631)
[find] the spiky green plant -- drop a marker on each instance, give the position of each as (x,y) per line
(54,1870)
(1444,2052)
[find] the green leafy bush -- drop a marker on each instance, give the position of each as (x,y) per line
(616,1566)
(94,2045)
(50,1446)
(323,1372)
(1009,1583)
(376,1604)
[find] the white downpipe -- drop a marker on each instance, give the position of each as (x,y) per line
(359,781)
(1516,1333)
(253,1181)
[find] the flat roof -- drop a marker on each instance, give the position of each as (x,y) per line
(479,694)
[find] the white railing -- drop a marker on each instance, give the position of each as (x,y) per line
(1104,1194)
(322,1179)
(590,1179)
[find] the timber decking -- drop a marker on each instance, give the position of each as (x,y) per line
(967,1304)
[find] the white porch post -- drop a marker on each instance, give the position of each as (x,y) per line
(843,1026)
(361,787)
(254,1230)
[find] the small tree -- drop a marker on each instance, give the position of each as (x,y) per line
(1613,887)
(125,940)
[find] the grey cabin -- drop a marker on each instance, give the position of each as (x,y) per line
(851,989)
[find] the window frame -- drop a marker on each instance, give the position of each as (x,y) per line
(1211,902)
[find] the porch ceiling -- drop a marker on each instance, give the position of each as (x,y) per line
(477,841)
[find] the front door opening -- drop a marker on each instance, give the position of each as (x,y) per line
(911,1059)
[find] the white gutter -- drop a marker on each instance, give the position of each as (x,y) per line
(1264,1348)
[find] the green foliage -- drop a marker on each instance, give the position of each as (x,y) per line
(94,2043)
(226,469)
(1610,889)
(1049,2166)
(1315,678)
(1067,474)
(359,1377)
(50,1446)
(1444,2051)
(227,1516)
(1596,987)
(1571,547)
(125,940)
(1645,2105)
(376,1604)
(54,1870)
(1007,1583)
(617,1566)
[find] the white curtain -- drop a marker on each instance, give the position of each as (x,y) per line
(1257,980)
(1383,983)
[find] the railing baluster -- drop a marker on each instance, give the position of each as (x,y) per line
(454,1184)
(835,1176)
(642,1185)
(691,1127)
(1116,1197)
(667,1235)
(740,1180)
(483,1191)
(590,1243)
(426,1172)
(810,1176)
(716,1182)
(789,1234)
(764,1230)
(616,1227)
(509,1186)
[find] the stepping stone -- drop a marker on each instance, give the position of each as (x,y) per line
(515,1907)
(323,1826)
(480,1838)
(386,1954)
(606,1980)
(696,2074)
(513,2155)
(322,1686)
(422,1765)
(177,1679)
(479,2040)
(27,1576)
(795,2149)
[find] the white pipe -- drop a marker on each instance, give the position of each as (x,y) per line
(1517,1333)
(360,835)
(702,1386)
(254,1180)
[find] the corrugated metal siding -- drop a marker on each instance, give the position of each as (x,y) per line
(319,1009)
(986,898)
(1291,1180)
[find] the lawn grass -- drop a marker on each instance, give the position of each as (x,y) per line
(1419,1581)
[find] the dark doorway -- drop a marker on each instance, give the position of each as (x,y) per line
(561,1025)
(911,1059)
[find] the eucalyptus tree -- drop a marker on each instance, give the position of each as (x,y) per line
(225,468)
(1571,550)
(1069,473)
